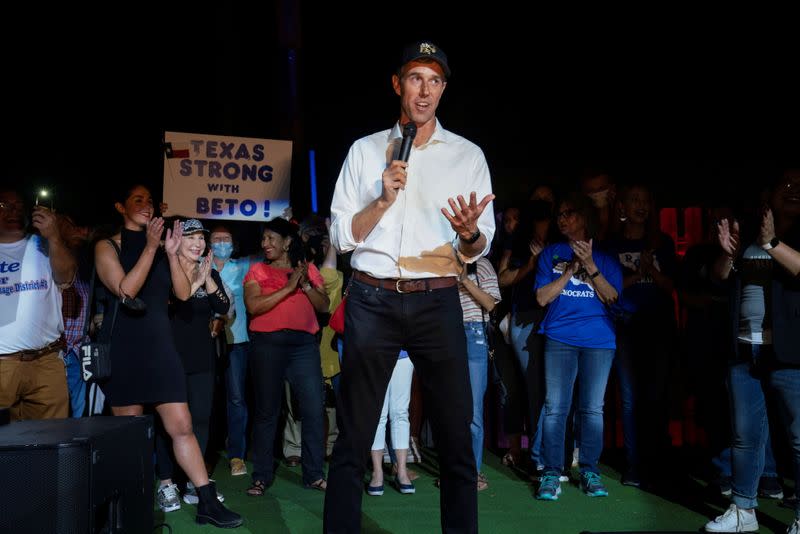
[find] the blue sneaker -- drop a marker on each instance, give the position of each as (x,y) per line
(591,485)
(549,489)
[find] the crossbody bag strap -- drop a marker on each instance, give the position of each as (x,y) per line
(116,304)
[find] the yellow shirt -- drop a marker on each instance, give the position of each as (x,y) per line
(333,282)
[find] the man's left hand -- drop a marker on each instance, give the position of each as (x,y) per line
(45,222)
(464,219)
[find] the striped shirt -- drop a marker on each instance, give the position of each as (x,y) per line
(486,279)
(75,305)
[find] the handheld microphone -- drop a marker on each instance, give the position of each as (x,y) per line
(409,133)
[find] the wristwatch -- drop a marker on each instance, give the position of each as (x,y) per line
(595,274)
(774,242)
(473,238)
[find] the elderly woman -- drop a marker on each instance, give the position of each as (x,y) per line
(145,366)
(190,328)
(576,284)
(283,295)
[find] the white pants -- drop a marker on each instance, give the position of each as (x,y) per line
(395,407)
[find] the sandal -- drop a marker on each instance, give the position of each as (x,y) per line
(257,489)
(483,482)
(320,485)
(509,460)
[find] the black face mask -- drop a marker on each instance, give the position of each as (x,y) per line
(540,210)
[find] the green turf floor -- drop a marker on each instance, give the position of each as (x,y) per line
(507,506)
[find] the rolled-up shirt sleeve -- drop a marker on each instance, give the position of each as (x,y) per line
(481,183)
(345,204)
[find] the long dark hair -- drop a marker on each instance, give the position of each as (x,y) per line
(652,229)
(285,229)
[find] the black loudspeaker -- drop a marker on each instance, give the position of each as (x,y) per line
(90,475)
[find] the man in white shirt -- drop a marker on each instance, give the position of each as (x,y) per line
(407,253)
(33,270)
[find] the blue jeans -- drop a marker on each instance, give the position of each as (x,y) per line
(75,383)
(478,360)
(563,364)
(235,381)
(294,356)
(519,340)
(723,461)
(786,384)
(623,364)
(750,384)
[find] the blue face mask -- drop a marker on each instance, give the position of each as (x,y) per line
(222,251)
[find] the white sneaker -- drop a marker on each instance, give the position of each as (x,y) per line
(734,519)
(168,499)
(794,528)
(190,495)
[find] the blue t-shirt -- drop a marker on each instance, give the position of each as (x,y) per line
(577,317)
(233,275)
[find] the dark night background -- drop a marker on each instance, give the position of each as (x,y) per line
(686,102)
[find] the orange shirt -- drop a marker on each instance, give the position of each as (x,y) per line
(295,312)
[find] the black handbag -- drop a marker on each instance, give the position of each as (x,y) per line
(494,337)
(96,355)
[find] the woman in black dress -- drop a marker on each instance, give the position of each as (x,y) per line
(190,328)
(145,366)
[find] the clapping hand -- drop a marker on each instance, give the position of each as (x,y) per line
(646,266)
(728,235)
(154,228)
(201,274)
(767,231)
(295,277)
(583,251)
(535,246)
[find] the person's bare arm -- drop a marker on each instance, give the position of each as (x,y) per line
(786,256)
(484,299)
(548,293)
(258,304)
(62,259)
(109,268)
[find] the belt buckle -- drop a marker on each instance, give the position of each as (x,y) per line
(397,286)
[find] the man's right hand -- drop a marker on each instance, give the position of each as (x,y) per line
(394,179)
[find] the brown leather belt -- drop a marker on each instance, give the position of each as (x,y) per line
(399,285)
(35,354)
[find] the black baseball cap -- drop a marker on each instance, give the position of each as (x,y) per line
(428,50)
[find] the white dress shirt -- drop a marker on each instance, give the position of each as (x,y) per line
(412,239)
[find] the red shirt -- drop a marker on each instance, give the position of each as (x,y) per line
(295,312)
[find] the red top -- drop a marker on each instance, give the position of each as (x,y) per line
(295,312)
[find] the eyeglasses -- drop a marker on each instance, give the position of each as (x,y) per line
(566,213)
(11,206)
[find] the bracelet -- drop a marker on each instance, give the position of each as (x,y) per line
(594,275)
(774,242)
(472,239)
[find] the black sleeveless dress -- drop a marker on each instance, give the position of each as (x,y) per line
(145,365)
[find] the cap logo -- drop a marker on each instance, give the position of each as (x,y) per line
(425,48)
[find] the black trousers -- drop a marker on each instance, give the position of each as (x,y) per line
(429,325)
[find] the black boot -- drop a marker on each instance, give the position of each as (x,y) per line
(210,510)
